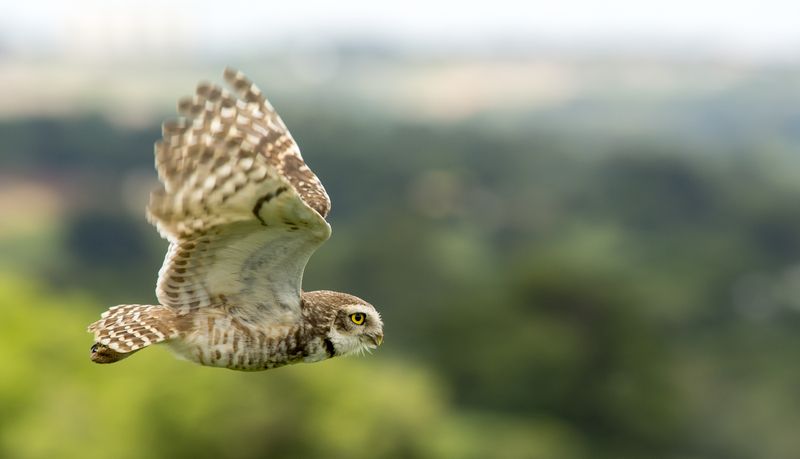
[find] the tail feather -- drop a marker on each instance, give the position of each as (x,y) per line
(127,328)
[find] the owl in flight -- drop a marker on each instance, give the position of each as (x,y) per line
(242,213)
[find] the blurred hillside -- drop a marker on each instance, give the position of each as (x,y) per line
(574,257)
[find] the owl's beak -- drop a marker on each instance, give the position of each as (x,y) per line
(377,339)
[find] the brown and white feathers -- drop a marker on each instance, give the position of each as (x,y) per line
(243,214)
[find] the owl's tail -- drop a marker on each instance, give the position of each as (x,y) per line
(127,328)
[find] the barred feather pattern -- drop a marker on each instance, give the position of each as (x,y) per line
(224,151)
(243,214)
(130,327)
(229,168)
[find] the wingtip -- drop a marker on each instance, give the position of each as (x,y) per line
(230,74)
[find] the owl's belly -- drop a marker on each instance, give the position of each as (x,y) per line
(220,340)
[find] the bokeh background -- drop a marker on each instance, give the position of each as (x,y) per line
(580,221)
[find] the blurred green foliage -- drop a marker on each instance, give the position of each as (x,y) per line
(57,404)
(545,294)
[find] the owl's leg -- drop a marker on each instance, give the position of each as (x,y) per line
(104,354)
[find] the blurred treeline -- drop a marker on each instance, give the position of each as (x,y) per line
(547,293)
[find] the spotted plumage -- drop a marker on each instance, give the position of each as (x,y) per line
(243,214)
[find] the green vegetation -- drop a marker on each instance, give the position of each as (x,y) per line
(545,295)
(58,404)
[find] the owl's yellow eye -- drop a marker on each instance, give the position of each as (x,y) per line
(357,318)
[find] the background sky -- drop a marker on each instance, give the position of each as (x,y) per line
(764,29)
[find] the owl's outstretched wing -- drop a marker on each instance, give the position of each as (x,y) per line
(242,211)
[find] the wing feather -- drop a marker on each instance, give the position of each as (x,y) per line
(242,211)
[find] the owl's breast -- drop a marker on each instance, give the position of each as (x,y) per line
(214,338)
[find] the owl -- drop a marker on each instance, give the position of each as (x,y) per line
(243,213)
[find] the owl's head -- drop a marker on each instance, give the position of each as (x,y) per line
(357,328)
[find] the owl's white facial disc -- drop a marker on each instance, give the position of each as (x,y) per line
(356,329)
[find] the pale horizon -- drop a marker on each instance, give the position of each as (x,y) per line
(749,30)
